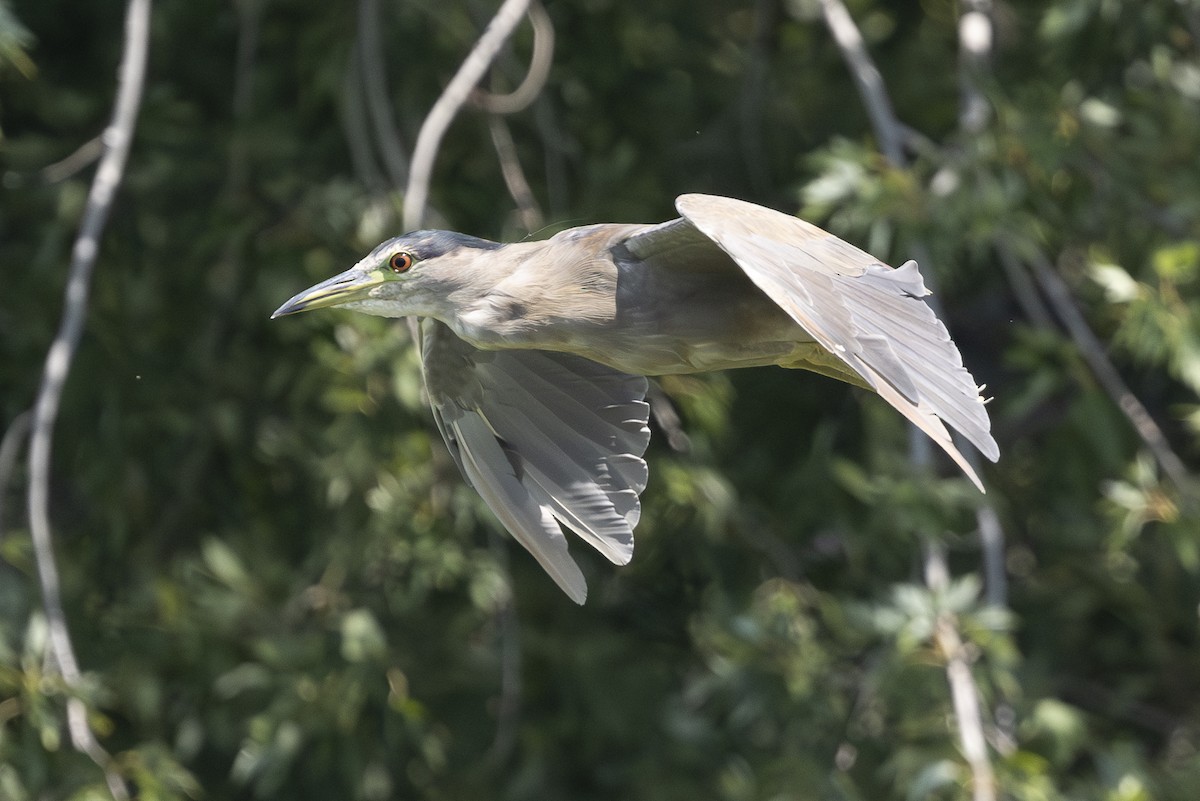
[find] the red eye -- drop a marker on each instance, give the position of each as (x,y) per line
(400,262)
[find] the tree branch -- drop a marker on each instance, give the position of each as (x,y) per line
(535,78)
(10,447)
(117,138)
(870,83)
(249,14)
(667,418)
(353,116)
(975,38)
(557,147)
(81,159)
(416,196)
(517,100)
(375,92)
(964,695)
(514,175)
(753,95)
(1092,350)
(508,622)
(1024,290)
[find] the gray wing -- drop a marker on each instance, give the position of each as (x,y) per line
(865,313)
(545,438)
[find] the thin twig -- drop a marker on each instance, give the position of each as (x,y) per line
(557,147)
(535,78)
(237,168)
(866,75)
(375,92)
(514,175)
(416,196)
(975,39)
(1024,290)
(10,448)
(752,97)
(991,543)
(429,138)
(353,116)
(517,100)
(964,694)
(508,707)
(80,159)
(117,138)
(1092,350)
(667,418)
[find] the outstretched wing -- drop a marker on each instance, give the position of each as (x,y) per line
(868,315)
(545,438)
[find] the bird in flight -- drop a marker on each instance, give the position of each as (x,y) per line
(535,354)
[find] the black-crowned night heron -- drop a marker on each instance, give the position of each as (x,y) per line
(535,352)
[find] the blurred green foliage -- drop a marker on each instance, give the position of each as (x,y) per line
(279,586)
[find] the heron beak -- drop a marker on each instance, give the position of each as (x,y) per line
(353,284)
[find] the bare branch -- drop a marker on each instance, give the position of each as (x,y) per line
(237,174)
(416,196)
(991,543)
(10,447)
(375,91)
(116,140)
(964,695)
(1024,290)
(870,83)
(667,418)
(353,116)
(514,175)
(508,706)
(80,159)
(975,39)
(753,95)
(557,147)
(975,36)
(539,69)
(1093,352)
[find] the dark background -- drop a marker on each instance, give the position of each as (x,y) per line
(279,586)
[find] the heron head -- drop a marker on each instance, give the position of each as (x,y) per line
(407,275)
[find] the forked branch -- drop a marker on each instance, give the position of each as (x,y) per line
(429,139)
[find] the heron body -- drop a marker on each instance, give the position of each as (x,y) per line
(535,352)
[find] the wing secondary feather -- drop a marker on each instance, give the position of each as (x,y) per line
(545,438)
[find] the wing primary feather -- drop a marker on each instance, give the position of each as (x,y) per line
(530,523)
(546,439)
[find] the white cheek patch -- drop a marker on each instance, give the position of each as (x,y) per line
(377,307)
